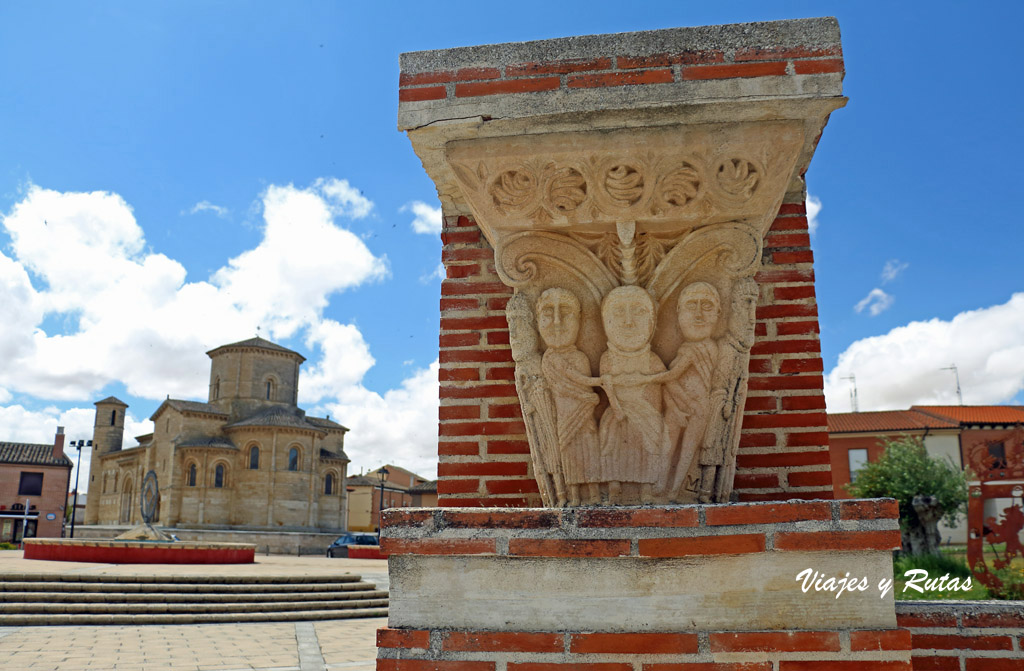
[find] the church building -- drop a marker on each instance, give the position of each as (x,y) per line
(248,458)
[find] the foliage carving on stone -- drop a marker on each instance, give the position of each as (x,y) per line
(513,189)
(624,183)
(738,177)
(568,189)
(679,187)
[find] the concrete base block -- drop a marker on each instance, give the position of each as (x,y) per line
(676,584)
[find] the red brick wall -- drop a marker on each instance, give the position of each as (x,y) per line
(55,486)
(967,636)
(840,447)
(610,536)
(622,70)
(482,448)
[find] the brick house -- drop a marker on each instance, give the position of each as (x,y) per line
(401,489)
(34,481)
(968,436)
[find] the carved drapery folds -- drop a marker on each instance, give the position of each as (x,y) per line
(632,256)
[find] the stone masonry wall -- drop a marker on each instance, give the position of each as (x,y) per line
(482,448)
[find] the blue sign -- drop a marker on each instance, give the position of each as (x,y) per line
(51,516)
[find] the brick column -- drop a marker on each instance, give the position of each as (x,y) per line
(782,71)
(666,161)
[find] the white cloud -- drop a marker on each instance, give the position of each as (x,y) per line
(129,315)
(133,317)
(813,209)
(344,361)
(437,274)
(343,199)
(876,302)
(303,258)
(207,206)
(892,269)
(904,366)
(426,219)
(400,426)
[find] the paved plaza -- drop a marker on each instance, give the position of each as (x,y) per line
(284,646)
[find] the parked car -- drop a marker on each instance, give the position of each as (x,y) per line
(339,548)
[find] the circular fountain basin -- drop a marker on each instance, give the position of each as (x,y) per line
(138,552)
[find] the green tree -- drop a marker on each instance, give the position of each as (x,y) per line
(927,490)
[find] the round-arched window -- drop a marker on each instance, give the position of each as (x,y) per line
(329,484)
(293,459)
(254,457)
(218,476)
(192,475)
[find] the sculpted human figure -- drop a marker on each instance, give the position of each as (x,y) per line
(567,374)
(689,395)
(535,400)
(633,439)
(718,456)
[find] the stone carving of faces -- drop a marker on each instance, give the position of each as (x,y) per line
(698,310)
(744,311)
(629,317)
(558,317)
(522,335)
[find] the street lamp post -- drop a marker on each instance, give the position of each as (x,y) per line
(78,469)
(383,475)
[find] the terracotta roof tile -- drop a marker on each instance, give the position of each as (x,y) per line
(884,421)
(31,453)
(428,487)
(975,414)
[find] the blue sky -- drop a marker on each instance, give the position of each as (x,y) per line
(204,168)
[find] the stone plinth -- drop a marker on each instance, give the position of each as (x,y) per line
(680,584)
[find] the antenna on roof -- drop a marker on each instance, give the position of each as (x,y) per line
(959,394)
(853,391)
(257,331)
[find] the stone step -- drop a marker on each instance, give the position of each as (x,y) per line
(185,608)
(177,579)
(177,588)
(162,597)
(187,618)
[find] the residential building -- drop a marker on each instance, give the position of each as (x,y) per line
(973,437)
(365,495)
(34,482)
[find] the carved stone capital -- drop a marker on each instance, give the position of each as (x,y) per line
(668,180)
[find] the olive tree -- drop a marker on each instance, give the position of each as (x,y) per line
(927,490)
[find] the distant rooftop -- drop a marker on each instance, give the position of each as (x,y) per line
(111,400)
(921,417)
(428,487)
(31,453)
(975,414)
(189,406)
(259,343)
